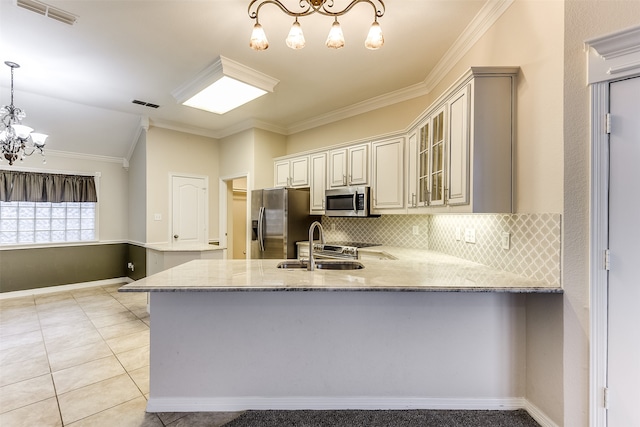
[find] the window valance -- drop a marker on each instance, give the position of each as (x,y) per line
(17,186)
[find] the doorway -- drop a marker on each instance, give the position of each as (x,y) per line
(189,209)
(233,216)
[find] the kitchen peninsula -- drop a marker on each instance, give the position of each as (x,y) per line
(423,332)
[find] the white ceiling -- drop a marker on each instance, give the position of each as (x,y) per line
(76,83)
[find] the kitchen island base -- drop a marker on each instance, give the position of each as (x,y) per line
(229,351)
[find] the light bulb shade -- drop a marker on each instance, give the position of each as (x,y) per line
(258,39)
(22,131)
(39,138)
(374,40)
(295,39)
(335,40)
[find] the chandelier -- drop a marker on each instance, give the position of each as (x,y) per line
(335,40)
(18,140)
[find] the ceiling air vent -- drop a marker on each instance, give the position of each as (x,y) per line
(144,103)
(48,11)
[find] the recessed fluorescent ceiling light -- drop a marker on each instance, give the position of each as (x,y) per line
(223,86)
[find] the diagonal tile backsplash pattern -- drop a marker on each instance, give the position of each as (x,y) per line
(534,238)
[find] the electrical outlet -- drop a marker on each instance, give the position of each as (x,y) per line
(458,233)
(416,230)
(130,266)
(157,217)
(470,235)
(506,240)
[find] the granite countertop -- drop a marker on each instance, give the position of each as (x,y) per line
(418,270)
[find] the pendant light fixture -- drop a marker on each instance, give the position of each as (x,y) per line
(335,39)
(16,139)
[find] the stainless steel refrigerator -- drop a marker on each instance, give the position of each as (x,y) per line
(279,218)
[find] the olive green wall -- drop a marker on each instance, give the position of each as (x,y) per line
(22,269)
(137,255)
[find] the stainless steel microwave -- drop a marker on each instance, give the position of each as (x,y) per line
(347,201)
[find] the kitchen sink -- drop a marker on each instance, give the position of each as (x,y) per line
(323,264)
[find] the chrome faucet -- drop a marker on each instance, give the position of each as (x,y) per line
(312,265)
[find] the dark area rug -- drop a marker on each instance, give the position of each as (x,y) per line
(404,418)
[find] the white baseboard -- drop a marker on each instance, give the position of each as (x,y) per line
(540,417)
(223,404)
(63,288)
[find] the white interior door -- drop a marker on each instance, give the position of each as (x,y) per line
(623,370)
(189,210)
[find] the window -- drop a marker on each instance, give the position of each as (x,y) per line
(45,222)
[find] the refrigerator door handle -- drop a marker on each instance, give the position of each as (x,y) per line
(261,228)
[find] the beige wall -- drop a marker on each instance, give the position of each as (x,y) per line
(138,192)
(169,152)
(583,20)
(267,145)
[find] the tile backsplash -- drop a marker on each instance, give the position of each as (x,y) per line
(534,238)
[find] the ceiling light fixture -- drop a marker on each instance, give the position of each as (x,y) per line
(223,86)
(16,139)
(295,39)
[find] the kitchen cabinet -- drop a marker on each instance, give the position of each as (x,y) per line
(460,152)
(293,172)
(349,166)
(317,182)
(387,180)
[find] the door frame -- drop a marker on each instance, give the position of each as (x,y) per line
(223,206)
(611,57)
(206,204)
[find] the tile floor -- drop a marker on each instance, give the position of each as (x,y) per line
(80,358)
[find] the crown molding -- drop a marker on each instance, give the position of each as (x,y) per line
(180,127)
(613,56)
(82,156)
(252,124)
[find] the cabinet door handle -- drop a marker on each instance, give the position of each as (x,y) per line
(344,179)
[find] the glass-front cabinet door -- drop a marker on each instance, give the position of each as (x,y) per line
(436,170)
(423,164)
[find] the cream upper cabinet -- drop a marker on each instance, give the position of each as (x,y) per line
(464,146)
(387,174)
(458,168)
(293,172)
(349,166)
(318,182)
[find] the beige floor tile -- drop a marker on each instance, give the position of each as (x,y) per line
(83,402)
(121,329)
(20,326)
(128,414)
(17,340)
(113,288)
(129,342)
(23,352)
(41,414)
(134,359)
(18,314)
(107,310)
(58,331)
(17,395)
(141,378)
(86,374)
(113,318)
(95,290)
(71,341)
(78,355)
(54,297)
(62,317)
(23,370)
